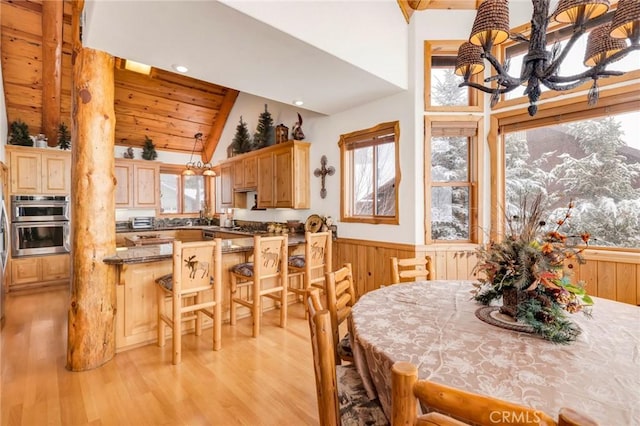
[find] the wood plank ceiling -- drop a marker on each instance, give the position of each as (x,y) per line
(168,108)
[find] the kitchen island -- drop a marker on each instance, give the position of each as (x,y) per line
(138,267)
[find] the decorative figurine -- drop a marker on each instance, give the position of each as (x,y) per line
(128,153)
(322,172)
(296,131)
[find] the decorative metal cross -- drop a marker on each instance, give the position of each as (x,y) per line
(322,172)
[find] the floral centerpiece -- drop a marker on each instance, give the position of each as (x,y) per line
(526,270)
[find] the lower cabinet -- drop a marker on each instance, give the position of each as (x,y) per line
(39,271)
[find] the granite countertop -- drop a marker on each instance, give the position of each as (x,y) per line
(156,253)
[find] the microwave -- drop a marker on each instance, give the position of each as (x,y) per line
(39,208)
(38,238)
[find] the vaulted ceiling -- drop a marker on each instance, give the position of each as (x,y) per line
(167,107)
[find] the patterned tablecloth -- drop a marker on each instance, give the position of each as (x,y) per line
(433,325)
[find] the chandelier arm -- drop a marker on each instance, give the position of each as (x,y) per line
(486,89)
(553,67)
(502,73)
(560,88)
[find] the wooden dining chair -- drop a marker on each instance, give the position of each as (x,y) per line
(266,276)
(458,407)
(311,268)
(411,269)
(197,270)
(341,296)
(342,398)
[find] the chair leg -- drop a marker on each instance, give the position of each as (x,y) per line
(177,330)
(161,311)
(233,287)
(283,307)
(198,314)
(217,326)
(256,309)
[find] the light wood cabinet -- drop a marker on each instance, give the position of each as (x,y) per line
(226,185)
(245,174)
(39,171)
(138,184)
(39,271)
(265,180)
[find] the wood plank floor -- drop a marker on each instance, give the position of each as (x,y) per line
(263,381)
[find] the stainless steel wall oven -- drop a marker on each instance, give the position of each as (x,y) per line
(40,225)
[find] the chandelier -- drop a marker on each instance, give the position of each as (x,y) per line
(605,44)
(192,167)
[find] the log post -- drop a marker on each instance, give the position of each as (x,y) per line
(91,328)
(52,12)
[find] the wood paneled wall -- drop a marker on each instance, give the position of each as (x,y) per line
(608,274)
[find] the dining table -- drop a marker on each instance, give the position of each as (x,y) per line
(433,324)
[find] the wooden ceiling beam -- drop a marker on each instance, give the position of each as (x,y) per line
(52,15)
(219,121)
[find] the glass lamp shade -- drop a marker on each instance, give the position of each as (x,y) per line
(600,45)
(469,60)
(491,26)
(626,21)
(208,172)
(188,172)
(572,11)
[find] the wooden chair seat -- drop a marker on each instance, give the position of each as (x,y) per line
(248,284)
(297,261)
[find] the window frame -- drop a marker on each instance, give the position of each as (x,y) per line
(611,101)
(209,191)
(360,138)
(448,48)
(475,166)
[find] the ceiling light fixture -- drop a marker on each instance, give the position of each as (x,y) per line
(180,68)
(298,102)
(192,167)
(137,67)
(605,44)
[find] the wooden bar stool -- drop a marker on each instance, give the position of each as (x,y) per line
(269,261)
(311,268)
(197,269)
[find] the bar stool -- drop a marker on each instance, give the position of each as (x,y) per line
(197,269)
(269,262)
(311,273)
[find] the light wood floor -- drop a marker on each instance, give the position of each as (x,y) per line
(263,381)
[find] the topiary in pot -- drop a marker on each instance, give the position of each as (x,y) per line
(20,134)
(149,149)
(64,137)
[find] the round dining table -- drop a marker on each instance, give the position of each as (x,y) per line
(433,325)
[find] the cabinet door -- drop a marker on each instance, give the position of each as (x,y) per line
(265,181)
(238,175)
(140,299)
(283,179)
(25,271)
(124,184)
(226,185)
(146,184)
(250,166)
(56,173)
(56,267)
(26,173)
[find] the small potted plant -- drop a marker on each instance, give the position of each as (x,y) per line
(149,149)
(64,137)
(19,134)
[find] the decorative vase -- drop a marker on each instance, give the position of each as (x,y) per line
(511,298)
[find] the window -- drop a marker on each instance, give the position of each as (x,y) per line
(451,154)
(183,194)
(370,174)
(594,162)
(441,83)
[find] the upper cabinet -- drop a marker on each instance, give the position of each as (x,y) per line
(137,184)
(39,171)
(279,174)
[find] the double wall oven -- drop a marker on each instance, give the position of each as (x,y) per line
(39,224)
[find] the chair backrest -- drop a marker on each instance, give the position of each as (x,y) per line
(270,256)
(323,360)
(196,265)
(317,255)
(469,407)
(412,269)
(341,296)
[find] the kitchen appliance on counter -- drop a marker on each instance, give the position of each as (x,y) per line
(142,222)
(39,225)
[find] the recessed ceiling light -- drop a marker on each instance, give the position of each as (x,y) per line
(179,68)
(298,102)
(137,67)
